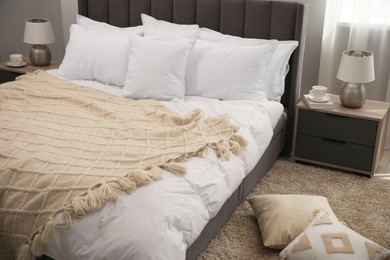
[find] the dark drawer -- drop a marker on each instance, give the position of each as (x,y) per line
(348,129)
(334,152)
(6,76)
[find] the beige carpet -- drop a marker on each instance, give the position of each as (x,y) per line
(362,203)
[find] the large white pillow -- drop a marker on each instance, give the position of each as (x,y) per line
(154,27)
(228,72)
(157,68)
(92,55)
(278,66)
(93,25)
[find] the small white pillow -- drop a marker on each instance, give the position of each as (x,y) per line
(228,72)
(91,55)
(278,66)
(157,68)
(326,239)
(93,25)
(154,27)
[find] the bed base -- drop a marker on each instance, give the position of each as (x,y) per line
(241,193)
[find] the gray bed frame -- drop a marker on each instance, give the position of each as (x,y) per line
(245,18)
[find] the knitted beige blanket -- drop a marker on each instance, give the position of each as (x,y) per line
(65,150)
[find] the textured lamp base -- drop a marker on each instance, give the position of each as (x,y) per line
(353,95)
(40,55)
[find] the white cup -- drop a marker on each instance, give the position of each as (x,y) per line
(15,59)
(318,92)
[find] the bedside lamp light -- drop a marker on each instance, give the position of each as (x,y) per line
(39,32)
(356,67)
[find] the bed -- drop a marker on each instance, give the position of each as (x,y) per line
(284,21)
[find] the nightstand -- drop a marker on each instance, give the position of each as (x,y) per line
(342,138)
(10,73)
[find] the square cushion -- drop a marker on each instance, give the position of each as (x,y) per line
(228,72)
(93,55)
(327,239)
(282,218)
(157,68)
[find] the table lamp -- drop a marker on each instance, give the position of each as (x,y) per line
(356,67)
(39,32)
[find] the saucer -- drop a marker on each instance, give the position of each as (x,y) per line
(317,100)
(22,64)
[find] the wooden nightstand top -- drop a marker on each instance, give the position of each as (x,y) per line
(29,67)
(371,109)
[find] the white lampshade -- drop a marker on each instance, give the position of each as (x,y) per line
(38,31)
(356,67)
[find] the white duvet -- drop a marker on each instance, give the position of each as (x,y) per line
(162,219)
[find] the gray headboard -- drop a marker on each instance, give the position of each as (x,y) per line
(245,18)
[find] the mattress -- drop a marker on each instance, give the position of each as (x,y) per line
(161,220)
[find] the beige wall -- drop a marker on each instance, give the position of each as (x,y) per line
(63,13)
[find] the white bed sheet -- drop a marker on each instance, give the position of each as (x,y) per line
(162,219)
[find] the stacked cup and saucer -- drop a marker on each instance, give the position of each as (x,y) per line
(16,61)
(318,94)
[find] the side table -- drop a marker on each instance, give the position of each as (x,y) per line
(8,73)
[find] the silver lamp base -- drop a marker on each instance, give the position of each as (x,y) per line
(40,55)
(353,95)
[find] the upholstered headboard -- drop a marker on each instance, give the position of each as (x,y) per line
(245,18)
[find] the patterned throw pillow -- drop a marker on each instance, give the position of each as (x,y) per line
(326,238)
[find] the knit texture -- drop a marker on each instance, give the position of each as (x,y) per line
(66,150)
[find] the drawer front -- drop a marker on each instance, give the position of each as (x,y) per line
(334,152)
(6,76)
(342,128)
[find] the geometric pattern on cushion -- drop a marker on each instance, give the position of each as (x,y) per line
(303,244)
(323,220)
(337,243)
(332,241)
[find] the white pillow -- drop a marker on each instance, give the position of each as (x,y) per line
(278,69)
(93,25)
(327,239)
(228,72)
(154,27)
(278,66)
(157,68)
(92,55)
(214,36)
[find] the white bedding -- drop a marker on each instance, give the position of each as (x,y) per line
(162,219)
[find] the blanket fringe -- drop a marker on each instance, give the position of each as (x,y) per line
(175,168)
(37,245)
(24,252)
(108,192)
(202,152)
(96,197)
(49,232)
(92,201)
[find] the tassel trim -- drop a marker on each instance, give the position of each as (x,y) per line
(96,197)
